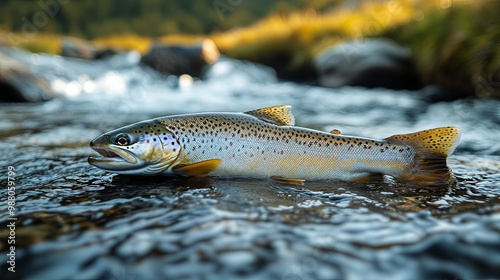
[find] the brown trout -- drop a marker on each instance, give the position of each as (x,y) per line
(264,143)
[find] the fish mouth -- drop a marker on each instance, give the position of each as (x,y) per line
(114,159)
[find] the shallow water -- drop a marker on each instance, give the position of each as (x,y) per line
(77,222)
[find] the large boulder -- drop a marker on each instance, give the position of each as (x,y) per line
(179,60)
(19,84)
(368,63)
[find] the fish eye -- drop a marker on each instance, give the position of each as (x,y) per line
(122,140)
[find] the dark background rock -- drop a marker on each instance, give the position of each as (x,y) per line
(19,84)
(178,59)
(368,63)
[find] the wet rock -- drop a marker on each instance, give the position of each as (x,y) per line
(370,63)
(104,53)
(179,60)
(72,47)
(19,84)
(433,94)
(77,48)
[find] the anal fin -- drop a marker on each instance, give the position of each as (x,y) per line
(288,180)
(201,168)
(369,178)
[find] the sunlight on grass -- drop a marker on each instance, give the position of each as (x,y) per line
(180,39)
(306,29)
(34,42)
(454,42)
(143,44)
(124,43)
(294,39)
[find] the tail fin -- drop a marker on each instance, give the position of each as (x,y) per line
(432,147)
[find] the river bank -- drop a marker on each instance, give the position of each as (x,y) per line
(452,45)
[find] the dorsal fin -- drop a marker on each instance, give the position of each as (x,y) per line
(278,115)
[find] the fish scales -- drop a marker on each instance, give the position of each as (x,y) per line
(266,143)
(250,146)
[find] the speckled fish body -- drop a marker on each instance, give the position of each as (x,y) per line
(251,147)
(265,143)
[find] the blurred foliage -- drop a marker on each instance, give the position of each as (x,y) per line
(147,18)
(455,43)
(290,42)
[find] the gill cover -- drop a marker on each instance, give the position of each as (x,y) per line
(144,148)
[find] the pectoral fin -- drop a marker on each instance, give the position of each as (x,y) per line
(288,180)
(201,168)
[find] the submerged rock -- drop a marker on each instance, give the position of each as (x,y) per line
(19,84)
(368,63)
(179,60)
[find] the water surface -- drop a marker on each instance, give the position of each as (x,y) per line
(75,221)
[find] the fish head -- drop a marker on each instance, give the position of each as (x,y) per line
(144,148)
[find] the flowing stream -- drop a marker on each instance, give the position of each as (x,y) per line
(75,221)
